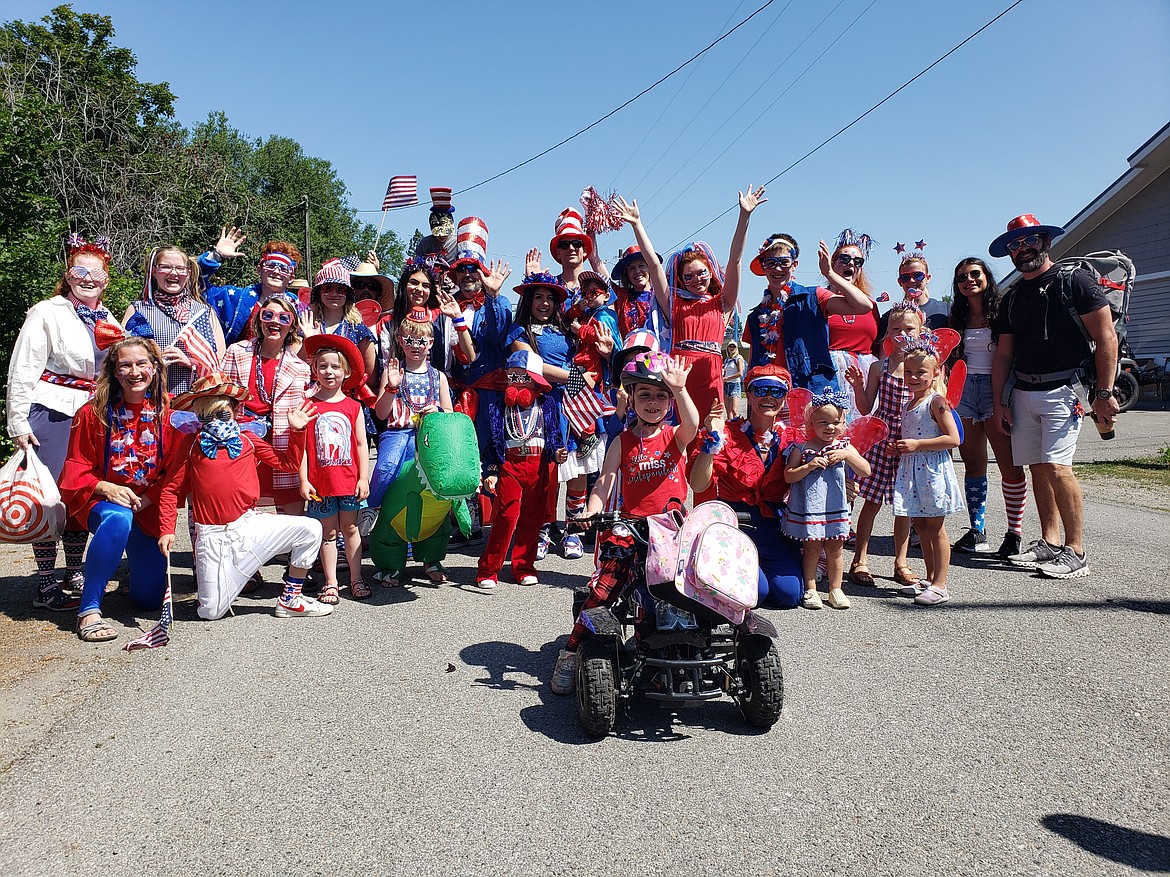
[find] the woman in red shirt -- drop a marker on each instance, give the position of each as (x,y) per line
(113,476)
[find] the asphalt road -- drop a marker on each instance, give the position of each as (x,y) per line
(1020,729)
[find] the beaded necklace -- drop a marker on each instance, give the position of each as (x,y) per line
(514,424)
(260,391)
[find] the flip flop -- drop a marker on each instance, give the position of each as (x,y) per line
(99,631)
(390,579)
(436,569)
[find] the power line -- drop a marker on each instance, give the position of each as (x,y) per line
(775,101)
(716,129)
(842,130)
(618,109)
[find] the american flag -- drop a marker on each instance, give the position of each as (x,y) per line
(402,192)
(350,263)
(159,635)
(583,405)
(201,354)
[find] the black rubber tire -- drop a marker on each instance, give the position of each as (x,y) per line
(596,689)
(1127,389)
(760,674)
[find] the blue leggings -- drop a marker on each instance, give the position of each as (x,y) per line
(781,580)
(395,447)
(115,533)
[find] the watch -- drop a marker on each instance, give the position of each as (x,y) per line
(1106,394)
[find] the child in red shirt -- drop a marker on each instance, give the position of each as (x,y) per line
(335,474)
(647,464)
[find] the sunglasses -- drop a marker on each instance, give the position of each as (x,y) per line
(774,392)
(271,315)
(776,262)
(80,274)
(564,245)
(468,269)
(969,275)
(1032,240)
(366,285)
(696,277)
(855,261)
(912,277)
(278,267)
(518,379)
(413,341)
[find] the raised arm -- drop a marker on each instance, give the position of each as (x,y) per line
(630,213)
(849,299)
(747,203)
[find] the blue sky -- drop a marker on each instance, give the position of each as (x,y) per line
(1036,115)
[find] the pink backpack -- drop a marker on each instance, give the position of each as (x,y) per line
(718,565)
(662,547)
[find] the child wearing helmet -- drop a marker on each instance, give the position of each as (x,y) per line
(643,474)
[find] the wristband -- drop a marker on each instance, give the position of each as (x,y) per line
(712,442)
(460,323)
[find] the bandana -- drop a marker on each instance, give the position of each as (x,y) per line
(90,316)
(217,434)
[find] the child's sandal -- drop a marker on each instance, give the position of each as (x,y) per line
(359,590)
(329,595)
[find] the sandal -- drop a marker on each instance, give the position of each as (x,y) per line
(390,579)
(903,575)
(254,584)
(435,573)
(359,590)
(99,631)
(859,574)
(329,595)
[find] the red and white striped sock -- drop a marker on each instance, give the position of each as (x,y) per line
(1015,500)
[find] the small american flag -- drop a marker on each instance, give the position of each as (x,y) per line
(583,405)
(350,263)
(159,635)
(402,192)
(201,354)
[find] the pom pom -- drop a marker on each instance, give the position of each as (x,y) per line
(601,214)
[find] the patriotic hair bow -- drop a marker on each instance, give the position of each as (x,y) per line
(850,238)
(905,306)
(99,246)
(836,398)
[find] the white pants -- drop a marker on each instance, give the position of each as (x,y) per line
(227,556)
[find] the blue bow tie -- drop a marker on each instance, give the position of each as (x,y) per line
(218,434)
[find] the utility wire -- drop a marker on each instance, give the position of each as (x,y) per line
(716,129)
(868,112)
(667,105)
(768,108)
(687,126)
(618,109)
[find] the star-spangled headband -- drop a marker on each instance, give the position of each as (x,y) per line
(429,264)
(282,258)
(772,240)
(925,344)
(849,238)
(99,246)
(919,245)
(837,398)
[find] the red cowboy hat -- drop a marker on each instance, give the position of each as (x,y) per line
(357,364)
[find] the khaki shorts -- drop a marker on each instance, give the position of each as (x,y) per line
(1045,426)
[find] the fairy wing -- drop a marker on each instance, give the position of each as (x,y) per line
(258,428)
(955,381)
(948,340)
(186,422)
(798,402)
(867,431)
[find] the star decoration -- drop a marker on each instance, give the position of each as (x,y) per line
(899,247)
(920,245)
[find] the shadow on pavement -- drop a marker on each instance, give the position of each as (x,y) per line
(1159,607)
(1126,846)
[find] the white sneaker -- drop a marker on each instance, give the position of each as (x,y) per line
(564,678)
(812,600)
(543,543)
(837,599)
(486,584)
(530,580)
(302,607)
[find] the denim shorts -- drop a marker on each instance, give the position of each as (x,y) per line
(977,403)
(330,505)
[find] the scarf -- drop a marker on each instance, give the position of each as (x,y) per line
(217,434)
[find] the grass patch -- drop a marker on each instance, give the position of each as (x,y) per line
(1148,471)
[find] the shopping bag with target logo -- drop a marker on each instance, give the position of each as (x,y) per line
(30,503)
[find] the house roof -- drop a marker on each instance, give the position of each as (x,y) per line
(1150,160)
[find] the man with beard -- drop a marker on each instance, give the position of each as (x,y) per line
(1041,360)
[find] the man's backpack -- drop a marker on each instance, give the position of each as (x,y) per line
(1114,273)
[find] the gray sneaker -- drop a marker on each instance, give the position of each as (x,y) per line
(1036,553)
(1066,566)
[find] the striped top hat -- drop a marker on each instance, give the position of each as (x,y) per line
(471,243)
(570,226)
(441,199)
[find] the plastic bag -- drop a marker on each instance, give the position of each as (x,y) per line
(30,503)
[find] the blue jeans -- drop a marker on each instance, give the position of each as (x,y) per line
(395,447)
(115,533)
(781,582)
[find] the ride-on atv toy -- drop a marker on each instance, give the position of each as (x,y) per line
(689,604)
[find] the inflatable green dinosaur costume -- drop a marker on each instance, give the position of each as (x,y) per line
(442,475)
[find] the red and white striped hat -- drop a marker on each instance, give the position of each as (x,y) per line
(471,243)
(441,199)
(332,272)
(570,225)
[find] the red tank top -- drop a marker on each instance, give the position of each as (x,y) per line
(333,448)
(653,473)
(700,320)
